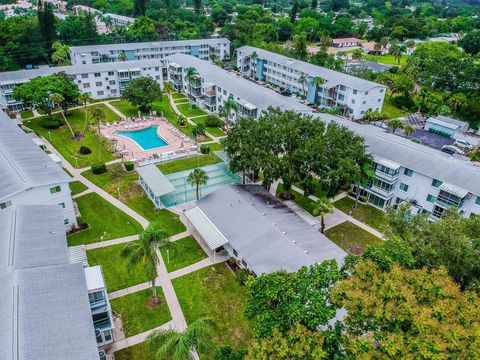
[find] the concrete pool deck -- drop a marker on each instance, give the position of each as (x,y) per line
(177,142)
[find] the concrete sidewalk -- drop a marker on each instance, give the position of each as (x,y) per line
(139,338)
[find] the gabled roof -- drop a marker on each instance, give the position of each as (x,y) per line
(209,232)
(24,165)
(331,77)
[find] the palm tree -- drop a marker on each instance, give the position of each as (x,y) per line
(144,252)
(197,177)
(58,99)
(229,106)
(302,80)
(456,101)
(395,124)
(408,130)
(365,173)
(172,344)
(397,51)
(168,88)
(122,56)
(213,57)
(190,76)
(322,207)
(98,115)
(384,42)
(317,82)
(84,99)
(253,58)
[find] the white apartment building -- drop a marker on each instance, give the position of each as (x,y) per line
(100,81)
(118,20)
(201,48)
(29,175)
(405,171)
(354,95)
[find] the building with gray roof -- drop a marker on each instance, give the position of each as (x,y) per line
(337,89)
(29,175)
(201,48)
(259,230)
(45,312)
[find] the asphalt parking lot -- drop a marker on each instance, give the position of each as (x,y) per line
(432,140)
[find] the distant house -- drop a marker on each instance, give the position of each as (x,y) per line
(446,126)
(371,48)
(346,42)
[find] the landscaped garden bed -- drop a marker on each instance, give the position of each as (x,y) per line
(114,268)
(137,313)
(182,253)
(103,219)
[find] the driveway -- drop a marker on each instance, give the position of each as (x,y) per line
(432,140)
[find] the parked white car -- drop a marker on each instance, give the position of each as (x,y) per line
(452,150)
(462,144)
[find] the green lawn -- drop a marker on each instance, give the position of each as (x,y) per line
(103,219)
(126,108)
(215,131)
(352,238)
(364,213)
(25,114)
(182,253)
(391,111)
(302,201)
(188,163)
(109,114)
(194,111)
(386,59)
(136,352)
(214,292)
(77,187)
(216,147)
(177,95)
(132,194)
(61,139)
(114,268)
(137,316)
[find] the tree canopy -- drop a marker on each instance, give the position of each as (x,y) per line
(143,91)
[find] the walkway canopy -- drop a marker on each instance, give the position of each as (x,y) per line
(209,232)
(154,182)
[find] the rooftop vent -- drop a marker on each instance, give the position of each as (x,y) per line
(306,252)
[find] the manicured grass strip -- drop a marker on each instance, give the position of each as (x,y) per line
(126,108)
(114,268)
(116,180)
(215,293)
(69,148)
(215,131)
(182,253)
(194,111)
(302,201)
(386,59)
(77,187)
(177,95)
(137,316)
(352,238)
(188,163)
(365,213)
(215,147)
(136,352)
(25,114)
(391,111)
(103,219)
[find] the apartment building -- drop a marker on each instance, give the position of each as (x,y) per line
(201,48)
(324,87)
(100,81)
(118,20)
(46,309)
(29,175)
(429,179)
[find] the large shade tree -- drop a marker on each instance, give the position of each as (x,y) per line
(143,91)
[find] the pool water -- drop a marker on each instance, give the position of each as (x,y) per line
(218,175)
(146,139)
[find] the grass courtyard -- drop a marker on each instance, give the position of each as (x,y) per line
(391,111)
(136,352)
(215,131)
(365,213)
(76,187)
(182,253)
(302,201)
(351,238)
(188,163)
(387,59)
(190,110)
(214,292)
(123,185)
(95,211)
(137,316)
(69,148)
(114,268)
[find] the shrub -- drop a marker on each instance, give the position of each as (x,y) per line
(242,275)
(50,123)
(85,150)
(99,169)
(199,130)
(415,140)
(205,149)
(363,198)
(213,121)
(182,121)
(129,165)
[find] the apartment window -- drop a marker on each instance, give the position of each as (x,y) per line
(354,92)
(5,204)
(98,83)
(66,221)
(403,187)
(100,93)
(86,85)
(244,263)
(366,92)
(342,87)
(113,91)
(477,202)
(364,102)
(84,76)
(378,100)
(111,73)
(353,101)
(235,253)
(55,189)
(381,91)
(96,297)
(408,172)
(97,74)
(62,205)
(431,199)
(112,82)
(157,69)
(436,183)
(84,62)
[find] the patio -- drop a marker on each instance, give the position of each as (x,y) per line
(177,143)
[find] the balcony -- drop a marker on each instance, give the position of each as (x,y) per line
(386,193)
(210,93)
(103,324)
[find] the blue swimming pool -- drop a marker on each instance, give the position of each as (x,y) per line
(146,139)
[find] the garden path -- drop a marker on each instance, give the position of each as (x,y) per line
(139,338)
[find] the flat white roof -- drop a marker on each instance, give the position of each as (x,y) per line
(94,278)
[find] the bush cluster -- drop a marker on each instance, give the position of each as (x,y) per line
(205,149)
(50,123)
(213,121)
(85,150)
(129,165)
(99,169)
